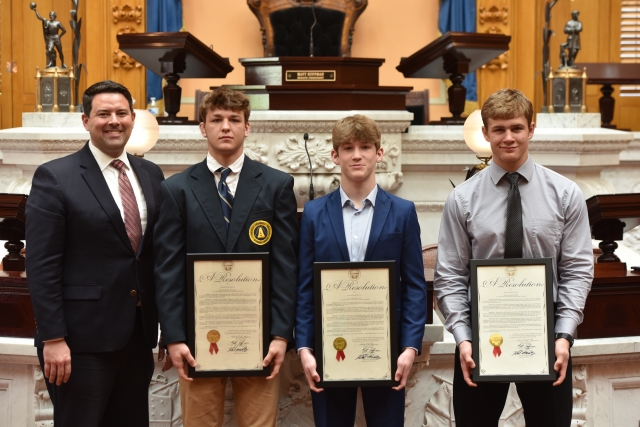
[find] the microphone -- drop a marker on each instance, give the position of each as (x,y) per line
(311,192)
(315,21)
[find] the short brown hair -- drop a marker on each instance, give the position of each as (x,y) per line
(506,104)
(105,86)
(225,99)
(355,128)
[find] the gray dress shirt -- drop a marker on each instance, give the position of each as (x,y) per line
(556,225)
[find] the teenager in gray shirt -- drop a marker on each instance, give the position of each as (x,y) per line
(554,224)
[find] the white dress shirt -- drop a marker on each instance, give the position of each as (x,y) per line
(357,223)
(555,224)
(111,176)
(234,175)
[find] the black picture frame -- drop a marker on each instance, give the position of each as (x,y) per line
(547,263)
(191,321)
(393,326)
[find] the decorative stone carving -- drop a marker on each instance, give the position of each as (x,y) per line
(295,398)
(580,397)
(164,402)
(127,13)
(20,186)
(632,239)
(439,409)
(429,206)
(493,14)
(389,181)
(322,185)
(43,407)
(391,154)
(295,126)
(292,154)
(256,151)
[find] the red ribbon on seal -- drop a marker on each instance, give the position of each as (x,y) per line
(496,351)
(340,355)
(213,347)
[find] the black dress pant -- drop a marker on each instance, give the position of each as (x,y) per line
(544,405)
(106,389)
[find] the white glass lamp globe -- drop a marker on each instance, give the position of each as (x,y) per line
(472,133)
(144,135)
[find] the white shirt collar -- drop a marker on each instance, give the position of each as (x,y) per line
(104,160)
(371,197)
(214,165)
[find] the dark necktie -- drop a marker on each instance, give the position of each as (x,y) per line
(226,199)
(513,232)
(132,221)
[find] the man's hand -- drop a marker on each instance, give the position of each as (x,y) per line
(562,359)
(309,366)
(405,362)
(275,357)
(57,361)
(466,362)
(178,353)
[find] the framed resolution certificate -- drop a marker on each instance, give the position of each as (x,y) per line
(228,313)
(512,320)
(356,329)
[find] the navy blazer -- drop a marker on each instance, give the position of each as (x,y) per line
(81,268)
(191,221)
(395,235)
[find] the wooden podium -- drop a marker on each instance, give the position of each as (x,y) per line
(174,55)
(613,305)
(453,55)
(318,83)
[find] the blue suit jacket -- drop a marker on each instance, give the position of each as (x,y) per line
(395,235)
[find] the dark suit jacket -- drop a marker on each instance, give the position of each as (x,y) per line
(191,221)
(81,268)
(394,235)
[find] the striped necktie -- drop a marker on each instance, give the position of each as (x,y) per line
(513,232)
(132,222)
(226,198)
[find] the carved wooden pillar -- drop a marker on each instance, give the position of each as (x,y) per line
(493,18)
(105,20)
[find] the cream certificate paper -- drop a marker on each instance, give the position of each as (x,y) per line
(512,316)
(228,315)
(355,324)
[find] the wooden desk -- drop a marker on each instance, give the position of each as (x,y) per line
(608,74)
(16,311)
(613,308)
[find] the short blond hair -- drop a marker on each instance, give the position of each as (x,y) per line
(506,104)
(225,99)
(355,128)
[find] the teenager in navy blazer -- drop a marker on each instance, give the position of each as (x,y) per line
(394,234)
(93,294)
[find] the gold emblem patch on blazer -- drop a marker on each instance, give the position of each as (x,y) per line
(260,232)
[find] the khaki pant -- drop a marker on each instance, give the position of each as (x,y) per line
(256,401)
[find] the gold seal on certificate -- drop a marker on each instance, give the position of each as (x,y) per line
(213,337)
(496,341)
(340,344)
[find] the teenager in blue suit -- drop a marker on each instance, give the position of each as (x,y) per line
(361,222)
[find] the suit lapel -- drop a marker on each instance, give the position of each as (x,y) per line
(380,212)
(205,190)
(246,193)
(147,191)
(95,180)
(335,215)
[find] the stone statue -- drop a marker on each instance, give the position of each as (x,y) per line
(569,49)
(50,30)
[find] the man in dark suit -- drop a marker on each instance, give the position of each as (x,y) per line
(195,218)
(361,222)
(90,220)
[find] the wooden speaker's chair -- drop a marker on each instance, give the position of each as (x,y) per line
(286,26)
